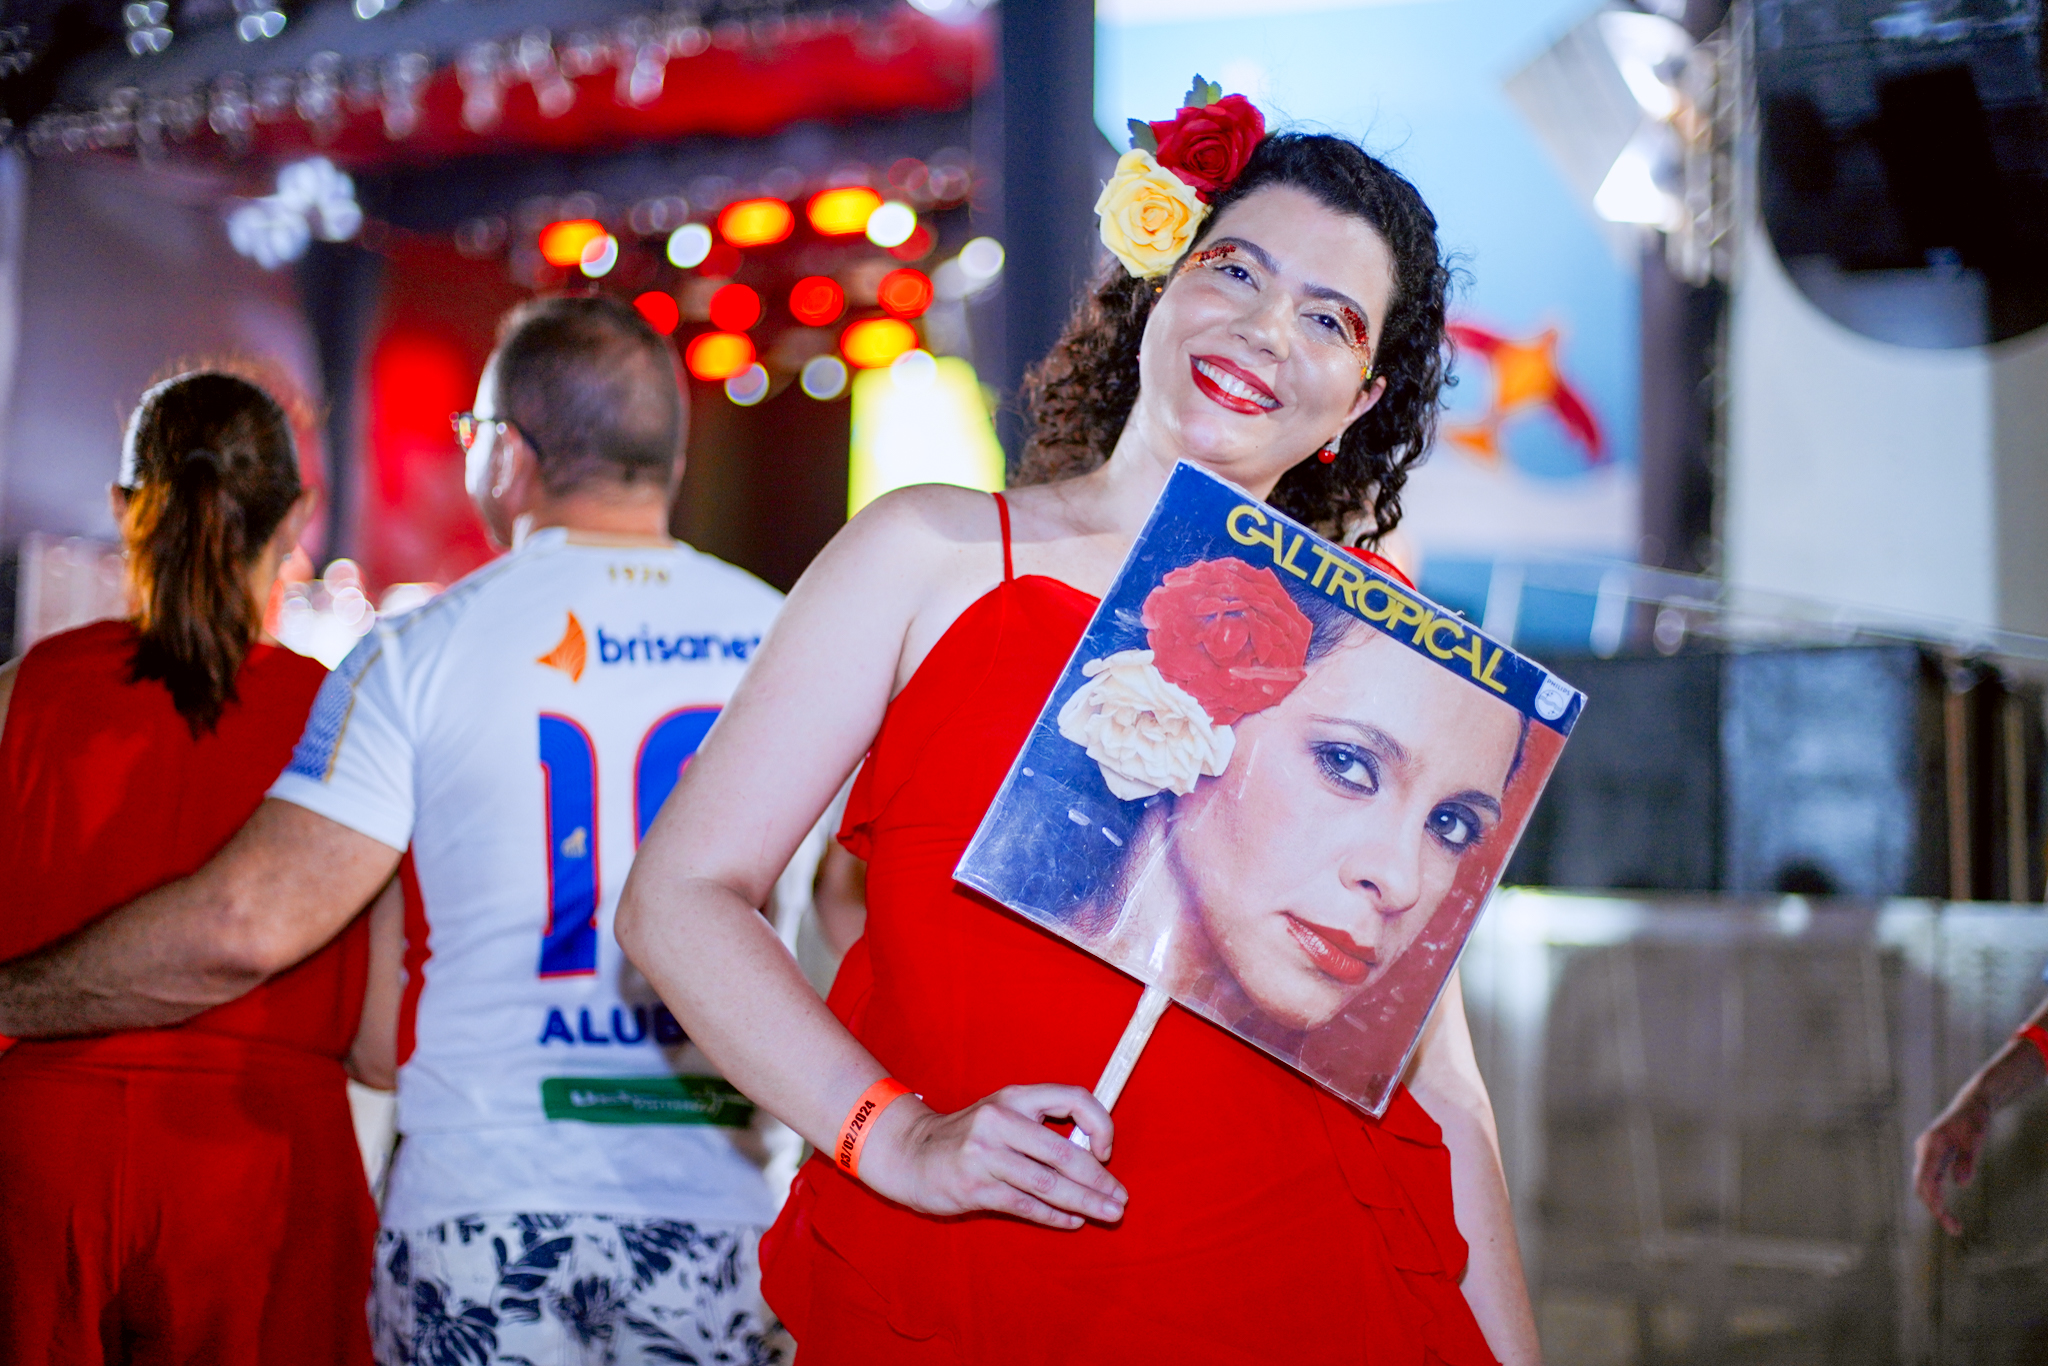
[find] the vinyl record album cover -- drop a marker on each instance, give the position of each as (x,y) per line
(1275,782)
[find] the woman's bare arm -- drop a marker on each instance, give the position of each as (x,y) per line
(373,1058)
(840,898)
(7,675)
(1446,1082)
(1949,1148)
(812,701)
(285,884)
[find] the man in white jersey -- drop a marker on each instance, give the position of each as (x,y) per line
(573,1175)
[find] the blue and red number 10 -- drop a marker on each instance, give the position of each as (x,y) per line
(568,766)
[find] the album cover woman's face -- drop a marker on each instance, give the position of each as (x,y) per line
(1308,867)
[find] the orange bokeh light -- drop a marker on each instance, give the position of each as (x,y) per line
(816,300)
(875,342)
(735,308)
(905,293)
(756,222)
(719,355)
(843,212)
(562,244)
(660,311)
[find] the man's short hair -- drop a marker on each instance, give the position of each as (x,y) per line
(593,389)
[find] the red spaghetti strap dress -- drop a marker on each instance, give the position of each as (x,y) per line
(171,1195)
(1267,1221)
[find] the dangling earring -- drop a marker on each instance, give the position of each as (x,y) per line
(1329,451)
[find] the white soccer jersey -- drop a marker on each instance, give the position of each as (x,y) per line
(516,737)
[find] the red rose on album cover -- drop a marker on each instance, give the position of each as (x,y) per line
(1228,634)
(1208,147)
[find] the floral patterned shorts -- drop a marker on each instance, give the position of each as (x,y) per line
(556,1289)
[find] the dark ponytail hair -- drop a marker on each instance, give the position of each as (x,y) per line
(211,470)
(1079,397)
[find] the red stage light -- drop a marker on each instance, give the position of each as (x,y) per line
(905,293)
(842,212)
(756,222)
(875,342)
(915,247)
(660,311)
(719,355)
(817,300)
(735,308)
(562,244)
(722,262)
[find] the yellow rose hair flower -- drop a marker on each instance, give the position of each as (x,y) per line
(1149,215)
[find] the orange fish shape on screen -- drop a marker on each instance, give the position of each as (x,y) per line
(570,652)
(1525,378)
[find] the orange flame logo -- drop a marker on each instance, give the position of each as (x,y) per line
(570,651)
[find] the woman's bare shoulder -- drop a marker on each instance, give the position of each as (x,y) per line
(899,555)
(948,515)
(935,516)
(914,536)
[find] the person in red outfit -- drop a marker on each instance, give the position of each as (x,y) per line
(1232,1211)
(188,1194)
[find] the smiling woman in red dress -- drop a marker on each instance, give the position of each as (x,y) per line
(189,1194)
(1290,339)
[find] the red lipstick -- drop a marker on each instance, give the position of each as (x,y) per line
(1251,397)
(1335,953)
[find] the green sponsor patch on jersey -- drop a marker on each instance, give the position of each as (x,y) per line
(647,1100)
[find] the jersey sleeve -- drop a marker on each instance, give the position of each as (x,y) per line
(354,763)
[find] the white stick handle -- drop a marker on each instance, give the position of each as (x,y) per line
(1118,1070)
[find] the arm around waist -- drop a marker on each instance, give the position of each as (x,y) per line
(287,882)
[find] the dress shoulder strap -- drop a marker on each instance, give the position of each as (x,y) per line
(1003,514)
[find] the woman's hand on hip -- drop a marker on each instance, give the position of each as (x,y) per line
(997,1154)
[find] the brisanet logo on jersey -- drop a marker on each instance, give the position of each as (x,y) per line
(649,647)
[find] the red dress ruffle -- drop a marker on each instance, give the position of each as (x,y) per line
(1267,1220)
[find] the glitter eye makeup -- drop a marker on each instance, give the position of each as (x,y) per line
(1209,256)
(1361,334)
(1357,331)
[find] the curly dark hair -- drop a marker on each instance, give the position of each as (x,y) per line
(1078,398)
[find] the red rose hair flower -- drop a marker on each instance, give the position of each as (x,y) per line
(1229,635)
(1208,146)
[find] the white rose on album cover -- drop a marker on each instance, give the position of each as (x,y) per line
(1277,784)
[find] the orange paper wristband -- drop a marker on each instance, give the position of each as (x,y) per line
(860,1122)
(2036,1036)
